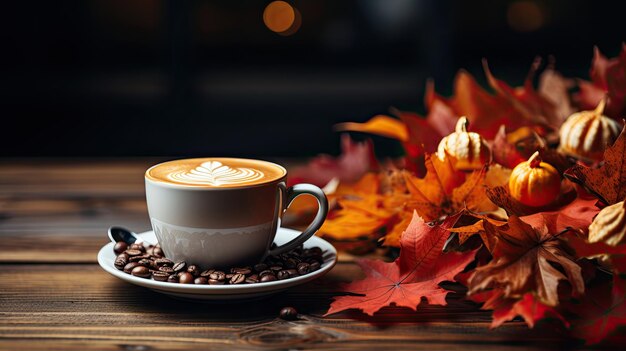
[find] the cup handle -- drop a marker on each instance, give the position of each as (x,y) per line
(322,202)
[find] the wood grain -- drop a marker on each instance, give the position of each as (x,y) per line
(53,220)
(48,303)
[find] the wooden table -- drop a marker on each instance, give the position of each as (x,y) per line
(53,220)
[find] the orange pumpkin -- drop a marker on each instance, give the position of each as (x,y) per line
(534,183)
(468,151)
(586,134)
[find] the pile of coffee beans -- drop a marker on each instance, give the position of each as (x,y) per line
(149,261)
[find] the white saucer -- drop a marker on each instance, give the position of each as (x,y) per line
(106,257)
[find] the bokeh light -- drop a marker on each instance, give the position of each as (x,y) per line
(282,18)
(526,16)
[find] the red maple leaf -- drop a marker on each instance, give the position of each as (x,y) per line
(415,274)
(608,81)
(601,312)
(355,160)
(506,309)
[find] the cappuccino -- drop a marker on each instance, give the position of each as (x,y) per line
(216,172)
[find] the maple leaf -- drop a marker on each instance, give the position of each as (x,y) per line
(608,78)
(524,259)
(601,312)
(555,88)
(361,211)
(525,100)
(613,256)
(512,107)
(355,160)
(501,196)
(415,274)
(443,191)
(607,182)
(510,149)
(506,309)
(418,134)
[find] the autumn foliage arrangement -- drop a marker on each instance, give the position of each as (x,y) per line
(516,193)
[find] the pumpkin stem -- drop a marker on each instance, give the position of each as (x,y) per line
(461,125)
(534,160)
(599,110)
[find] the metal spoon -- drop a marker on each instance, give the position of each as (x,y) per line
(122,234)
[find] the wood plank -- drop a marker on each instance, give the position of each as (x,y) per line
(68,305)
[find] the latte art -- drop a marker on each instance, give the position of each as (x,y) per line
(215,173)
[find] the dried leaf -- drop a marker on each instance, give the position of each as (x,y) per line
(607,182)
(415,274)
(522,263)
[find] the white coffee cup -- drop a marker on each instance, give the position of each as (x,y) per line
(219,226)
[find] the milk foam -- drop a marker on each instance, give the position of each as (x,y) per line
(216,173)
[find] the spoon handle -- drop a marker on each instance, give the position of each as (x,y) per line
(121,234)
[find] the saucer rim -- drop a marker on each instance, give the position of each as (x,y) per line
(106,257)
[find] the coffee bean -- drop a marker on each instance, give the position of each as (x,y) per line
(216,282)
(160,262)
(315,251)
(266,272)
(288,313)
(292,273)
(166,269)
(138,247)
(145,262)
(252,279)
(276,268)
(200,280)
(160,276)
(282,274)
(120,261)
(237,278)
(314,266)
(268,278)
(290,263)
(218,275)
(133,252)
(173,278)
(130,266)
(158,252)
(229,275)
(180,266)
(303,268)
(186,278)
(260,267)
(120,247)
(194,270)
(141,272)
(138,258)
(207,273)
(244,270)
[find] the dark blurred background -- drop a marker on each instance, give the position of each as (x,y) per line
(256,78)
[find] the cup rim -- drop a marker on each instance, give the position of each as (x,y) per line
(197,187)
